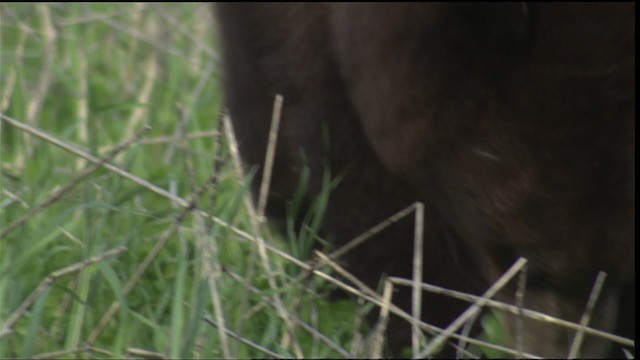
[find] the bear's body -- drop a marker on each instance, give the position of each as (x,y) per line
(513,123)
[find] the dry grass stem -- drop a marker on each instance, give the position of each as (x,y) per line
(212,274)
(270,155)
(377,335)
(520,291)
(363,288)
(574,352)
(416,298)
(62,354)
(89,18)
(83,104)
(369,233)
(13,198)
(225,126)
(211,267)
(146,354)
(355,242)
(256,224)
(135,352)
(139,114)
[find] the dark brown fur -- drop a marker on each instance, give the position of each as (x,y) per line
(514,125)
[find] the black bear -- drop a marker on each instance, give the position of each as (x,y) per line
(513,123)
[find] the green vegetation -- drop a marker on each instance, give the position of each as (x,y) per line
(92,76)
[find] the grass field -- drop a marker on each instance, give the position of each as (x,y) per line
(127,260)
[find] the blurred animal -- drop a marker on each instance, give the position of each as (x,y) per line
(513,123)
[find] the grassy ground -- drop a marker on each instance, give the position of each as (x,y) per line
(126,261)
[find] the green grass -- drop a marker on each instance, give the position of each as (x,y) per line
(92,76)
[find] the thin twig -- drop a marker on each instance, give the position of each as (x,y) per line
(256,222)
(225,126)
(83,103)
(574,352)
(416,298)
(13,198)
(212,269)
(522,286)
(357,241)
(146,354)
(140,112)
(372,231)
(377,336)
(97,17)
(270,154)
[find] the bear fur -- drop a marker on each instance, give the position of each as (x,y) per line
(513,123)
